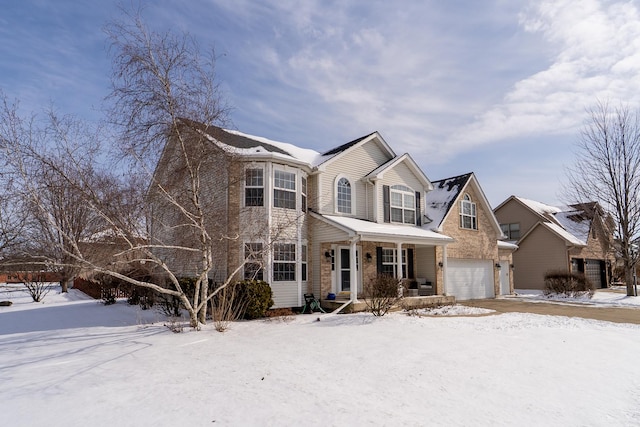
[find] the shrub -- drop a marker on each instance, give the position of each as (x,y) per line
(566,283)
(257,296)
(381,293)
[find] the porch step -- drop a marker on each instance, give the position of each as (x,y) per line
(408,303)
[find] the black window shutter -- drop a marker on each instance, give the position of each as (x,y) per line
(379,259)
(386,203)
(410,263)
(418,212)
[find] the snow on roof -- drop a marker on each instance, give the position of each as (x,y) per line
(304,154)
(506,245)
(538,207)
(439,200)
(564,233)
(363,227)
(575,223)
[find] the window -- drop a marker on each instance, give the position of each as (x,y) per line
(303,259)
(468,217)
(303,192)
(254,187)
(389,262)
(253,261)
(512,231)
(284,262)
(343,189)
(284,192)
(403,204)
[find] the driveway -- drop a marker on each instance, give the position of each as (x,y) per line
(514,304)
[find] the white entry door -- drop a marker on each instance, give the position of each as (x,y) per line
(343,269)
(505,287)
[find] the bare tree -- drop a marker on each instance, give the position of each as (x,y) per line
(607,170)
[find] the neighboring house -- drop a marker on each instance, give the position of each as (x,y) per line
(324,222)
(478,264)
(576,238)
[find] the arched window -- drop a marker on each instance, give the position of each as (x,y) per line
(403,204)
(343,196)
(468,218)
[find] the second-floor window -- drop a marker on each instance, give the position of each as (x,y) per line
(512,231)
(468,218)
(254,187)
(303,194)
(343,199)
(284,191)
(403,204)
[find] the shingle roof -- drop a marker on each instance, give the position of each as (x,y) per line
(438,201)
(344,147)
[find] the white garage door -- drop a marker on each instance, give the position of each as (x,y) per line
(469,279)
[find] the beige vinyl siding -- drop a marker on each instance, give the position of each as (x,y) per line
(399,175)
(285,294)
(540,252)
(514,212)
(358,163)
(425,263)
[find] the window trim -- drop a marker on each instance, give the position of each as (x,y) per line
(290,192)
(352,192)
(403,191)
(254,254)
(248,186)
(394,263)
(508,230)
(472,215)
(287,251)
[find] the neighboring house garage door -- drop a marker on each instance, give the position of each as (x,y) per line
(594,270)
(469,279)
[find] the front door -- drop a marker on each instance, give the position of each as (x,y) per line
(344,269)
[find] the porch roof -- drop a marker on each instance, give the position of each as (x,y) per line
(372,231)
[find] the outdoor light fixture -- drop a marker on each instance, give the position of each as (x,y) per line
(440,264)
(512,266)
(498,266)
(327,255)
(368,256)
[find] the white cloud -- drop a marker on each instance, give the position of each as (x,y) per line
(596,45)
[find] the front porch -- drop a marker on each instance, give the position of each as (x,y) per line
(406,303)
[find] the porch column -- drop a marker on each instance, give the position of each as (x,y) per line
(444,269)
(399,261)
(353,272)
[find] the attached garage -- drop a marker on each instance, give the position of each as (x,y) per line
(469,279)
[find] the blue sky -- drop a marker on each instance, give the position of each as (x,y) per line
(497,87)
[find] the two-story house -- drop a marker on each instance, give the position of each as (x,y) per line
(576,238)
(305,221)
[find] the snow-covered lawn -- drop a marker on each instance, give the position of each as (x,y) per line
(615,297)
(71,361)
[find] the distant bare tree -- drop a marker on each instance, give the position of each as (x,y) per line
(607,170)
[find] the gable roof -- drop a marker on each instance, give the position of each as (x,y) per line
(341,150)
(379,172)
(572,223)
(369,230)
(439,202)
(250,145)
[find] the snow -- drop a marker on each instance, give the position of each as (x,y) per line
(580,229)
(437,202)
(600,298)
(306,155)
(370,228)
(71,361)
(564,233)
(540,208)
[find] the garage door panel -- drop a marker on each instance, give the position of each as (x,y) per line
(470,279)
